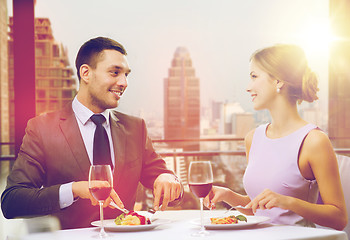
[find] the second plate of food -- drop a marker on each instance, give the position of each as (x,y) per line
(111,226)
(251,221)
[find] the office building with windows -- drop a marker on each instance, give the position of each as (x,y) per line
(182,101)
(339,75)
(54,82)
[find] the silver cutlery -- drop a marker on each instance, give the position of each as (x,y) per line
(239,206)
(151,211)
(235,207)
(124,210)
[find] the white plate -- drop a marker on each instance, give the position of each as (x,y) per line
(111,226)
(251,221)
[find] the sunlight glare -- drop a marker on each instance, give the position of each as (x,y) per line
(316,38)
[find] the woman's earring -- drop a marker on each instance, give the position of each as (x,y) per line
(278,90)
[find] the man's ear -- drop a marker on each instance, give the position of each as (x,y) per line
(84,72)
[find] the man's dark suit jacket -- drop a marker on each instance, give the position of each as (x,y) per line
(53,153)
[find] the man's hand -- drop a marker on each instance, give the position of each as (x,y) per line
(81,190)
(168,187)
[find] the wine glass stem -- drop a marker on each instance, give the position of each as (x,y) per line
(201,203)
(102,231)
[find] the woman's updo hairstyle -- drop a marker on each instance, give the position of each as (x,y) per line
(287,63)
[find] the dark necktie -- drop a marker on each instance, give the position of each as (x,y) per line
(101,150)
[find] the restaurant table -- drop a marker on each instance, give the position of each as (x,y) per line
(182,223)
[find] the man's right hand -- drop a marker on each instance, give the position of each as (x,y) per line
(81,190)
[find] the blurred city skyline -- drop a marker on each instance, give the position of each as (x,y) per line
(219,35)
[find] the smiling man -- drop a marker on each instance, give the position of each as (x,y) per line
(51,171)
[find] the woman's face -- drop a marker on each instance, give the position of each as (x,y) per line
(262,87)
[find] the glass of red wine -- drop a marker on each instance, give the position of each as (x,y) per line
(100,186)
(200,180)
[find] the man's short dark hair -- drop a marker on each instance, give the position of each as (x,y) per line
(91,50)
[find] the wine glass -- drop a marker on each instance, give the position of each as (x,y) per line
(100,187)
(200,180)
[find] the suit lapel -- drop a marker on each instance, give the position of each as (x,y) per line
(71,132)
(119,143)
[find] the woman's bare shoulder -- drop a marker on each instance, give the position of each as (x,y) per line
(316,139)
(317,146)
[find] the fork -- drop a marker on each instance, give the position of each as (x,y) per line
(234,207)
(124,210)
(152,211)
(239,206)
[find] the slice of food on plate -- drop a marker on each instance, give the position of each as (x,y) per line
(228,220)
(132,218)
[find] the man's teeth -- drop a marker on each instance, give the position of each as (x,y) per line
(119,93)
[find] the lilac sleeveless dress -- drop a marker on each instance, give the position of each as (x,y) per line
(273,164)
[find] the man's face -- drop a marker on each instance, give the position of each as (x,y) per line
(107,81)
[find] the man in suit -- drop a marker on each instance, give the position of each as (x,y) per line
(51,171)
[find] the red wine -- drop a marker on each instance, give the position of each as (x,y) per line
(201,190)
(100,193)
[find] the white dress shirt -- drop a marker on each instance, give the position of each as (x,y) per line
(87,130)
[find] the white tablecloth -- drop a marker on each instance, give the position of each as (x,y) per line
(181,227)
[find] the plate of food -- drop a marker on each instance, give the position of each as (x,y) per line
(130,222)
(231,222)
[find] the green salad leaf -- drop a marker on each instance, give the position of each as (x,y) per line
(241,218)
(118,219)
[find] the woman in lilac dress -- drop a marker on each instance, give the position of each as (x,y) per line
(290,161)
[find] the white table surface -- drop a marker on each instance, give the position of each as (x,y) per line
(181,227)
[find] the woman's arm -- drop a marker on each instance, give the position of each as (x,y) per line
(219,194)
(222,194)
(319,153)
(317,160)
(248,143)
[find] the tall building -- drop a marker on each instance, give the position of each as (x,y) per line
(339,75)
(54,82)
(182,101)
(234,120)
(229,109)
(4,80)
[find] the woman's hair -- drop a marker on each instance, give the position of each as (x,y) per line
(288,63)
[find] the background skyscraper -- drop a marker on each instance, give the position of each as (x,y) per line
(182,101)
(54,82)
(339,75)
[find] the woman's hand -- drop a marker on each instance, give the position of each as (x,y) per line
(267,200)
(217,194)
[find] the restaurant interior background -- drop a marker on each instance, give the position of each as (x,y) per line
(215,38)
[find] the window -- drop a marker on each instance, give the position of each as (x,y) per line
(56,83)
(40,93)
(42,49)
(55,50)
(54,93)
(42,83)
(67,94)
